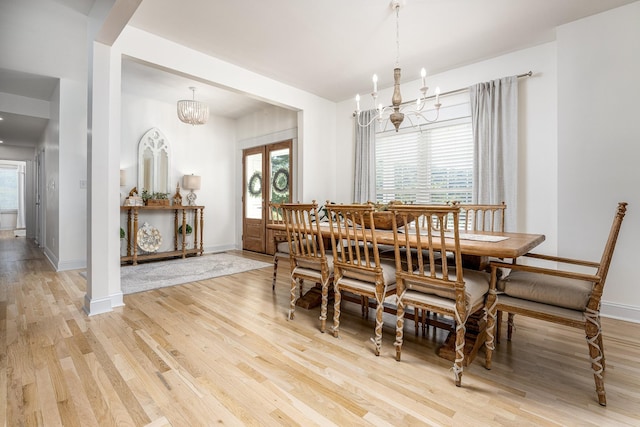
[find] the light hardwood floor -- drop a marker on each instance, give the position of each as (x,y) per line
(222,351)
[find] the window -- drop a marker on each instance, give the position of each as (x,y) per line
(8,188)
(431,165)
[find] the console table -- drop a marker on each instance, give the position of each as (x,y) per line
(179,239)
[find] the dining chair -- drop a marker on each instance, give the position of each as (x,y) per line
(434,283)
(482,217)
(280,241)
(486,217)
(562,296)
(473,218)
(357,265)
(307,255)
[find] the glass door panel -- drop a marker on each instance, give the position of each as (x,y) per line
(253,188)
(279,167)
(253,221)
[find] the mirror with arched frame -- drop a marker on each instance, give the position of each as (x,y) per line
(154,162)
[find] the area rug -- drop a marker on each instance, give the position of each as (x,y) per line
(153,275)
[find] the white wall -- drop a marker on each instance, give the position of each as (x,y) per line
(316,117)
(578,135)
(598,149)
(203,150)
(315,122)
(49,194)
(72,158)
(269,121)
(34,108)
(537,128)
(578,130)
(8,152)
(54,39)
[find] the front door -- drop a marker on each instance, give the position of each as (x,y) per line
(274,162)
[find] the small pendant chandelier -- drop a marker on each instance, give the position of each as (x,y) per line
(191,111)
(394,113)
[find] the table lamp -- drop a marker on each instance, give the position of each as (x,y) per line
(191,182)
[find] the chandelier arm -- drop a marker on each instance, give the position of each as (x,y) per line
(408,117)
(423,117)
(364,125)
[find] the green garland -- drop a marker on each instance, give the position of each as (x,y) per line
(255,184)
(281,181)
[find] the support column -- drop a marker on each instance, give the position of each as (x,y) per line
(103,170)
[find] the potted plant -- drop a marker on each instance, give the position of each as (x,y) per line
(155,198)
(188,227)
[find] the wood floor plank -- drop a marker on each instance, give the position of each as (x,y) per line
(222,351)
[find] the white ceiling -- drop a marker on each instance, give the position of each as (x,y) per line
(146,81)
(326,47)
(331,48)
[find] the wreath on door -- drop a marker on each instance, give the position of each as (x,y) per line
(281,181)
(255,184)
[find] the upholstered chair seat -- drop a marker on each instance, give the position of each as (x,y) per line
(562,292)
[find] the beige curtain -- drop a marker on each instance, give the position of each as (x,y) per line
(365,159)
(494,116)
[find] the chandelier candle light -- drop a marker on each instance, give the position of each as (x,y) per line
(191,111)
(393,113)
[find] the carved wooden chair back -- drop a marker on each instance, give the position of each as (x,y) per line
(357,265)
(477,217)
(306,251)
(276,216)
(484,217)
(433,283)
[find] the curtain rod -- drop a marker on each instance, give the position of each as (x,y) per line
(455,91)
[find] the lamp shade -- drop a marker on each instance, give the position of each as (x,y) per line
(191,182)
(123,177)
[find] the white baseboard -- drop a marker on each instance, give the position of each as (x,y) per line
(72,265)
(52,258)
(102,305)
(613,310)
(64,265)
(217,249)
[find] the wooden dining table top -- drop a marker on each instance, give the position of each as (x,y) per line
(512,246)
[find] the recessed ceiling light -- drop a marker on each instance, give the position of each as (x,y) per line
(1,141)
(1,118)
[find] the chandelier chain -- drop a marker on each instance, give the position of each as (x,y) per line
(397,35)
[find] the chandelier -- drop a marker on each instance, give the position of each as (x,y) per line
(191,111)
(398,111)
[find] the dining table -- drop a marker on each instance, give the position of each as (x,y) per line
(478,245)
(477,249)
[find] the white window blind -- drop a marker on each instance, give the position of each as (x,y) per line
(426,166)
(8,188)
